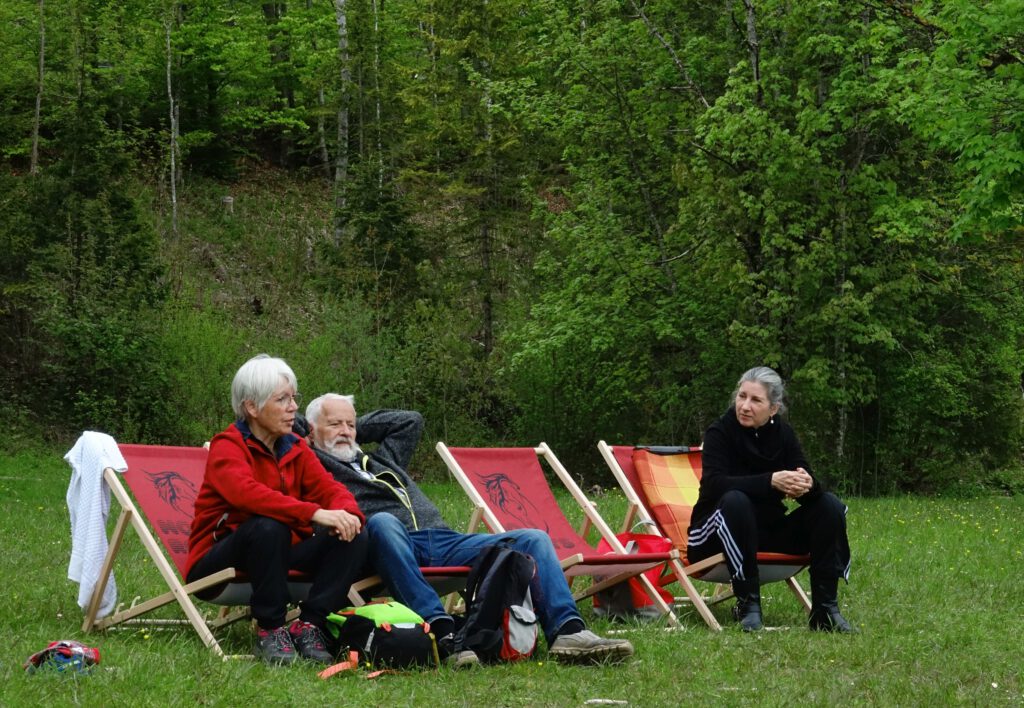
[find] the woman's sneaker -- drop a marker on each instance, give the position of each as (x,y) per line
(309,642)
(274,646)
(585,647)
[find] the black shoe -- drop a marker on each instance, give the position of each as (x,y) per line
(747,612)
(274,646)
(827,618)
(309,642)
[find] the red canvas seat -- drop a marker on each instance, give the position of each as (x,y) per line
(509,491)
(164,482)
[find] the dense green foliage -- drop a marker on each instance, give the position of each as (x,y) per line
(529,220)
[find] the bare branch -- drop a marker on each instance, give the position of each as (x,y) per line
(691,85)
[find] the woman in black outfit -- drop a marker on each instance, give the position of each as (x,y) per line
(752,461)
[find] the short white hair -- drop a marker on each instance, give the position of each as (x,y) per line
(256,380)
(313,409)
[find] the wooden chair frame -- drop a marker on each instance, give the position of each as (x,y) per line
(606,570)
(179,592)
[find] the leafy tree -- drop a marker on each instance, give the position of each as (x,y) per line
(782,214)
(960,86)
(85,274)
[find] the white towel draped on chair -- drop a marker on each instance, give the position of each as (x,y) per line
(88,500)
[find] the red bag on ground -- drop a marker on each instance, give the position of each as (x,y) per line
(628,598)
(64,655)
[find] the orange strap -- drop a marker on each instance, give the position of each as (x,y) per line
(350,665)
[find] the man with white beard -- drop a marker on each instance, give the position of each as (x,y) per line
(407,531)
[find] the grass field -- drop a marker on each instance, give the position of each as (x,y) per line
(933,591)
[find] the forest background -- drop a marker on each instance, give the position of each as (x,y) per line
(528,219)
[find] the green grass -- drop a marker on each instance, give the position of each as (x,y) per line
(933,591)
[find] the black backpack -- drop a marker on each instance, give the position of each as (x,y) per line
(385,634)
(500,624)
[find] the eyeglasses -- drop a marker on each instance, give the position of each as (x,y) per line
(284,398)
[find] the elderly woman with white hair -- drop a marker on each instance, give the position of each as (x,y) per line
(263,492)
(752,461)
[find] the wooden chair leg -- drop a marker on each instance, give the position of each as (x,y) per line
(801,596)
(696,599)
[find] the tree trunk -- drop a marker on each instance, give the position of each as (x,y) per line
(428,30)
(279,41)
(486,232)
(34,164)
(754,48)
(173,110)
(376,97)
(321,124)
(486,248)
(321,132)
(840,336)
(341,158)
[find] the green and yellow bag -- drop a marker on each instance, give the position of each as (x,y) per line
(386,635)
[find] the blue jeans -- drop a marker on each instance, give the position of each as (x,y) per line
(398,553)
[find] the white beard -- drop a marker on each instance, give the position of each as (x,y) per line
(344,451)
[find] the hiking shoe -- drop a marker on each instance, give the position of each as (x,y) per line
(585,647)
(457,659)
(463,659)
(274,646)
(310,642)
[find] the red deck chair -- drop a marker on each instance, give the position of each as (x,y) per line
(509,491)
(164,482)
(773,567)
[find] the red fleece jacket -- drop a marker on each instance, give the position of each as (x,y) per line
(243,480)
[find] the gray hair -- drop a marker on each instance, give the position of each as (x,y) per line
(771,381)
(313,409)
(256,380)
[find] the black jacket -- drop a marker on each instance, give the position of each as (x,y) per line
(736,457)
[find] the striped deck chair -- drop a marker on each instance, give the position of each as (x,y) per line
(661,492)
(508,490)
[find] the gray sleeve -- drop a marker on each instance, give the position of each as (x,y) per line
(396,432)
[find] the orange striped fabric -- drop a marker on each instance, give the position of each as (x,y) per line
(670,484)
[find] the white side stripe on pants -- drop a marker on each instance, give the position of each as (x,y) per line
(715,525)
